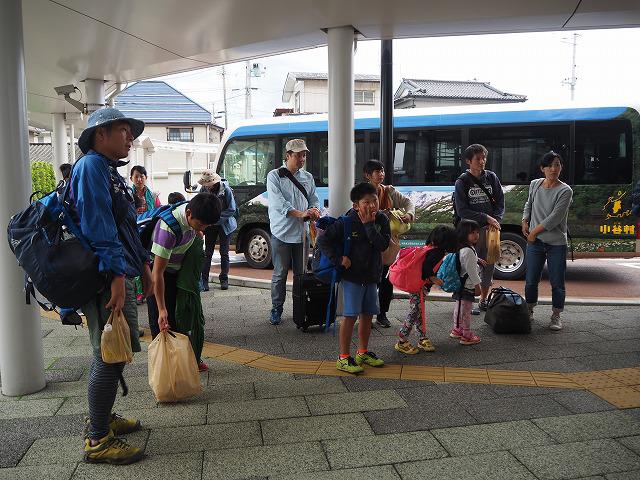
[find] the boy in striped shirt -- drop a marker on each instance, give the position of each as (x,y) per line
(168,253)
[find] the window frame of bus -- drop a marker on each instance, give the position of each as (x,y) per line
(221,163)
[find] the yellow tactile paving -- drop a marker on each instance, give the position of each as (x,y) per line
(241,355)
(391,372)
(465,375)
(626,376)
(511,377)
(553,380)
(280,364)
(328,368)
(422,372)
(621,397)
(214,350)
(594,380)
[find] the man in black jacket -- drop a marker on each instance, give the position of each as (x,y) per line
(361,272)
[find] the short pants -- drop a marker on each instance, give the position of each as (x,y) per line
(358,298)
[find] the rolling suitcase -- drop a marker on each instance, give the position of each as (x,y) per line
(310,296)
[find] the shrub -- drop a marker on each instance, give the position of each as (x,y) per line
(43,179)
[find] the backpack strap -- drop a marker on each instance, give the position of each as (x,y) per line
(169,218)
(333,293)
(285,172)
(482,187)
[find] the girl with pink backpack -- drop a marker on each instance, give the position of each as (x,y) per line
(414,271)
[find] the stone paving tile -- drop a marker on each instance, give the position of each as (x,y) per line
(589,426)
(551,365)
(360,384)
(30,408)
(634,475)
(223,393)
(221,373)
(13,446)
(291,388)
(134,400)
(64,450)
(466,392)
(607,361)
(581,401)
(581,459)
(262,461)
(63,375)
(382,449)
(307,429)
(265,409)
(490,466)
(576,337)
(618,346)
(169,415)
(517,408)
(383,472)
(354,402)
(60,390)
(408,420)
(490,437)
(39,472)
(181,466)
(201,437)
(632,443)
(518,391)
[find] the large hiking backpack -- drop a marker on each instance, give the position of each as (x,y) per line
(54,254)
(507,312)
(147,222)
(406,272)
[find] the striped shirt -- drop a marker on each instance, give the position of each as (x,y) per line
(164,240)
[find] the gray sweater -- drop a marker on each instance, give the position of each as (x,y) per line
(551,209)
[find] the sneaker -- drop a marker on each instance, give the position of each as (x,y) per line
(202,367)
(119,425)
(111,449)
(475,311)
(483,305)
(370,359)
(556,323)
(275,316)
(455,332)
(426,345)
(383,321)
(224,284)
(472,339)
(348,365)
(406,347)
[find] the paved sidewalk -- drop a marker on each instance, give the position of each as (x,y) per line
(255,423)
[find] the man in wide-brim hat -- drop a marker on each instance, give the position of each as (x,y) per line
(107,218)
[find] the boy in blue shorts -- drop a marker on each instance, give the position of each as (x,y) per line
(361,271)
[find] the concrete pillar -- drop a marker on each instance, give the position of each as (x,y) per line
(94,88)
(72,143)
(59,139)
(21,360)
(189,160)
(148,163)
(341,136)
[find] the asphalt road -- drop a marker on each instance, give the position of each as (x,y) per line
(611,278)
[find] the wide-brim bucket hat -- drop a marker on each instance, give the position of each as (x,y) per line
(103,117)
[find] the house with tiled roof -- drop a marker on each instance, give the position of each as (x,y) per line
(308,92)
(417,93)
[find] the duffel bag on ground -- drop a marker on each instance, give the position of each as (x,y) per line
(507,312)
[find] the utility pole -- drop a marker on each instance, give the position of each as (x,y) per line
(573,80)
(224,96)
(247,100)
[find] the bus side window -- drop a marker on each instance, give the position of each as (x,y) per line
(247,162)
(602,153)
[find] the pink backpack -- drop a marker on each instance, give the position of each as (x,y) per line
(406,272)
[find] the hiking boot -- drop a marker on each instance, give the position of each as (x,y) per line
(455,332)
(382,320)
(111,449)
(470,339)
(276,316)
(483,305)
(406,347)
(556,323)
(348,365)
(475,311)
(202,367)
(119,425)
(370,359)
(426,345)
(224,284)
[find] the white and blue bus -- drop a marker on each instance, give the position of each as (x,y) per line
(600,147)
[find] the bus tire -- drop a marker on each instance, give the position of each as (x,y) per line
(257,248)
(512,263)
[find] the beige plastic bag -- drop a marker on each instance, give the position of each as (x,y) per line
(390,254)
(173,371)
(115,341)
(493,245)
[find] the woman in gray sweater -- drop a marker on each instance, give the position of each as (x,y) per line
(544,223)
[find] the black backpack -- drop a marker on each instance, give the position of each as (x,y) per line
(507,312)
(56,258)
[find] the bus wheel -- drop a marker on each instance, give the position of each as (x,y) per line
(511,265)
(257,249)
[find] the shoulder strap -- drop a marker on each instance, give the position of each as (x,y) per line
(533,195)
(285,172)
(346,240)
(482,187)
(169,218)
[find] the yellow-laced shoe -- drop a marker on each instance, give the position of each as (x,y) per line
(122,426)
(111,449)
(406,347)
(426,345)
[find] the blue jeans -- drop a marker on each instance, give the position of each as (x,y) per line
(284,255)
(556,258)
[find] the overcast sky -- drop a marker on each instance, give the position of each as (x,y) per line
(532,64)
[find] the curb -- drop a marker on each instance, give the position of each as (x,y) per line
(249,282)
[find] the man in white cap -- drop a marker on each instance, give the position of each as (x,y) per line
(212,183)
(105,214)
(292,201)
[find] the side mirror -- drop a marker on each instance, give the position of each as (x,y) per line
(186,181)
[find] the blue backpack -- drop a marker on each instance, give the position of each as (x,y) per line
(449,273)
(147,223)
(324,269)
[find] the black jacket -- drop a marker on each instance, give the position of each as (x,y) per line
(368,241)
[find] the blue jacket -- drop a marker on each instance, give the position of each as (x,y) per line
(227,217)
(103,208)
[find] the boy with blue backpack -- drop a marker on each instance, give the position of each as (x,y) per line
(360,273)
